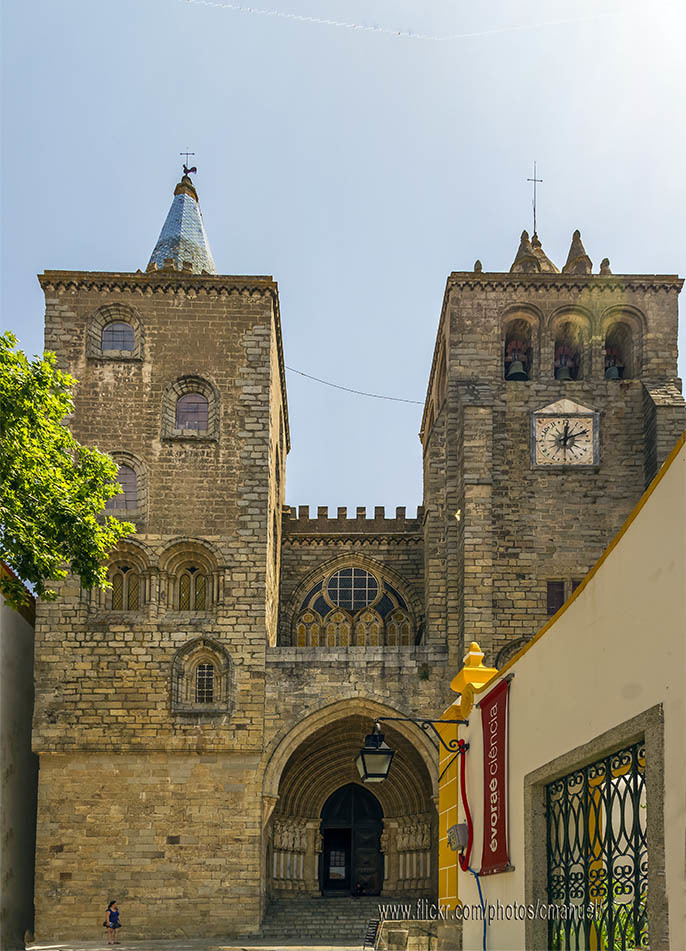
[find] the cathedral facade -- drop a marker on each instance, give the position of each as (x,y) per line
(197,724)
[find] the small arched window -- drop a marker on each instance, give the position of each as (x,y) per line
(118,335)
(192,412)
(518,355)
(202,679)
(369,629)
(338,628)
(204,683)
(125,588)
(618,352)
(569,346)
(192,589)
(128,497)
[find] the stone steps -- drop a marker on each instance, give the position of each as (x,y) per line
(323,919)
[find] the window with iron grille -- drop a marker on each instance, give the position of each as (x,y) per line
(204,683)
(118,335)
(597,853)
(192,412)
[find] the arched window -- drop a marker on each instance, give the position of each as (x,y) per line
(369,629)
(351,606)
(128,497)
(569,349)
(308,628)
(192,586)
(338,628)
(518,356)
(118,335)
(618,352)
(202,679)
(192,412)
(126,586)
(399,629)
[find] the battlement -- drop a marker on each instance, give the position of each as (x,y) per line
(300,522)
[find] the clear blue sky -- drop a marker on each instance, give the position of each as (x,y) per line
(357,168)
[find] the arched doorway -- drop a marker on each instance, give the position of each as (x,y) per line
(352,823)
(301,787)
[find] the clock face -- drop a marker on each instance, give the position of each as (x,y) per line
(568,440)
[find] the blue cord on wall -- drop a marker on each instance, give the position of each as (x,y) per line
(483,903)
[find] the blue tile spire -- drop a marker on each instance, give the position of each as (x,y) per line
(182,243)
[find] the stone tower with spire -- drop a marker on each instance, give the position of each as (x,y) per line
(181,379)
(553,399)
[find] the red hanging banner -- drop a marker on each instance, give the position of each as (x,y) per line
(494,724)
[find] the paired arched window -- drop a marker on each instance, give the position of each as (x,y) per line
(202,678)
(118,335)
(126,588)
(128,497)
(353,607)
(192,585)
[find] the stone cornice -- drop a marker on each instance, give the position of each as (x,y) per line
(352,538)
(480,280)
(170,281)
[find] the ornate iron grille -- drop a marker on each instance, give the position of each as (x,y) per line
(598,855)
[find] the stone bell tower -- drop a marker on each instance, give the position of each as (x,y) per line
(552,401)
(149,710)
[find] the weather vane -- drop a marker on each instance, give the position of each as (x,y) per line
(534,180)
(187,170)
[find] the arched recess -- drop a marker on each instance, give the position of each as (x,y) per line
(571,334)
(520,342)
(108,314)
(295,605)
(191,576)
(622,338)
(309,763)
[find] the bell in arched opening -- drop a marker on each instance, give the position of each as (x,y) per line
(518,351)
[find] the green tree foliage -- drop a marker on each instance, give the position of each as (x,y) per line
(52,490)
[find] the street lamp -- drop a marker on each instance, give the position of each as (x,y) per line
(374,759)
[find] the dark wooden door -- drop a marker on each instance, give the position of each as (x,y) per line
(352,822)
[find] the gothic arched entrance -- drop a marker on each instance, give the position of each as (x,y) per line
(389,835)
(352,823)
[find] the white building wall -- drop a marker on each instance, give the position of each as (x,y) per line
(616,651)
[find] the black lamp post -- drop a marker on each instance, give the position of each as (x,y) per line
(374,759)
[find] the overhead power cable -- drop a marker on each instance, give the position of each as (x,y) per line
(371,28)
(337,386)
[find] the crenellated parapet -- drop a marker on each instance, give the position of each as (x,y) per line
(300,522)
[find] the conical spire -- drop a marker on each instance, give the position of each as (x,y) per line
(578,262)
(525,259)
(182,243)
(546,264)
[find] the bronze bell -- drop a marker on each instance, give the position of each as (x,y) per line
(517,371)
(612,373)
(562,373)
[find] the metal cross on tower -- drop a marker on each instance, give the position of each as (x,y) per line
(534,180)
